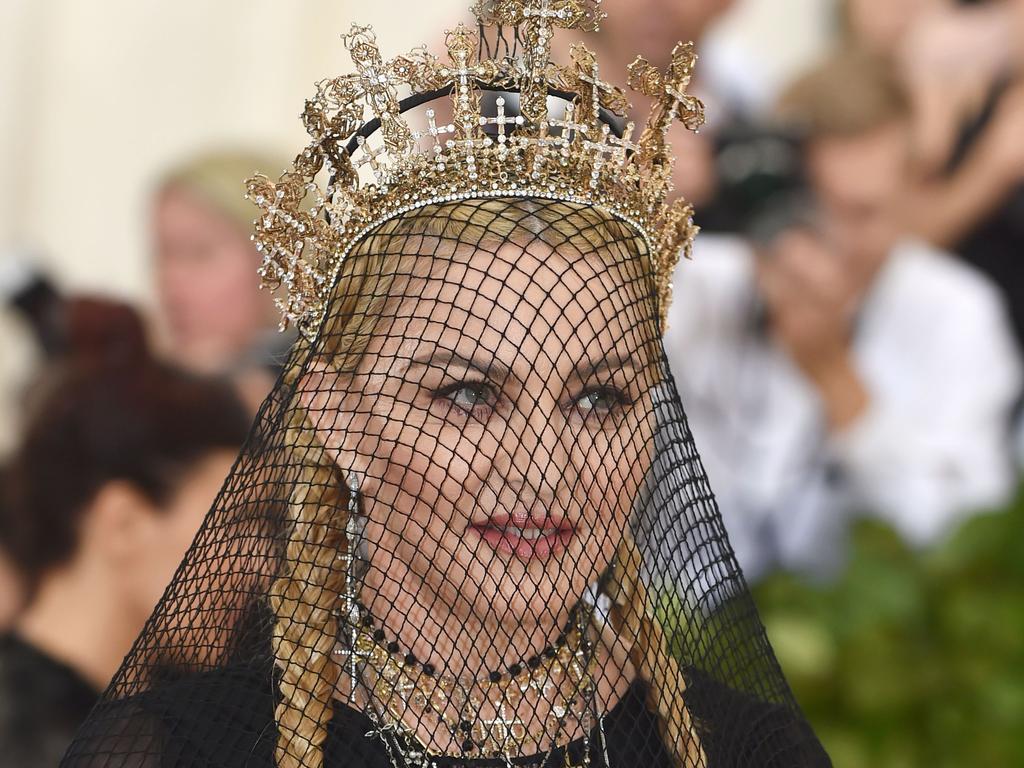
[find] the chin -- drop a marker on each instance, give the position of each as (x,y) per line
(542,595)
(527,604)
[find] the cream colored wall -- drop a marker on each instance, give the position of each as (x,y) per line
(780,37)
(98,96)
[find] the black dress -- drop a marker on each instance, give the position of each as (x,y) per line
(224,719)
(42,704)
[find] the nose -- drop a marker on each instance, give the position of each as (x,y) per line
(534,457)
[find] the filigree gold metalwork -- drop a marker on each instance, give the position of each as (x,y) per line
(350,179)
(671,102)
(584,79)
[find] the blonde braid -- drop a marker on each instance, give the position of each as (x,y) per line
(633,620)
(304,598)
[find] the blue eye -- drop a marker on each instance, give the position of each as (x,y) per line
(601,400)
(470,397)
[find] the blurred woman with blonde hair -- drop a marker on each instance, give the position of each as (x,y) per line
(211,312)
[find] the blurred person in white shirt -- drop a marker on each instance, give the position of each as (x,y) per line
(841,368)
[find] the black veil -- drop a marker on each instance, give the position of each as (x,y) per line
(470,526)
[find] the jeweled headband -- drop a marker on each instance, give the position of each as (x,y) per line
(498,119)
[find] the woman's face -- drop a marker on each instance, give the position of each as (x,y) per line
(500,424)
(210,303)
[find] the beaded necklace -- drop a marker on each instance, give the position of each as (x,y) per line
(480,717)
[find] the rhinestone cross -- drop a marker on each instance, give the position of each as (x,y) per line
(378,87)
(501,120)
(672,103)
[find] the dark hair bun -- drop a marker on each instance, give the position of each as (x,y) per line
(104,334)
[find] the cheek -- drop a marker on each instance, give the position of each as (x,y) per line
(228,279)
(425,479)
(611,472)
(453,480)
(239,259)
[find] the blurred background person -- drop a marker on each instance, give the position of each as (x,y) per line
(963,65)
(840,366)
(120,461)
(211,310)
(32,297)
(12,589)
(966,69)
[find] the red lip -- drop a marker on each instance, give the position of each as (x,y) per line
(525,537)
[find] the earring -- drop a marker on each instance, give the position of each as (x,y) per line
(352,531)
(354,568)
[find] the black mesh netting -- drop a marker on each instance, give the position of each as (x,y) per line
(469,528)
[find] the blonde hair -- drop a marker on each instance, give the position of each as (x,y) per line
(850,93)
(214,178)
(305,595)
(632,617)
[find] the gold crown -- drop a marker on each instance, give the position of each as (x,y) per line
(515,125)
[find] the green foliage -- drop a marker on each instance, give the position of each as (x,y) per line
(911,659)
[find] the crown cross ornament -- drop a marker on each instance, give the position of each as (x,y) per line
(539,20)
(536,21)
(520,126)
(462,44)
(593,92)
(671,102)
(379,87)
(501,121)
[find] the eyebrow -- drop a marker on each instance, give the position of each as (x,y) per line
(498,371)
(609,362)
(443,357)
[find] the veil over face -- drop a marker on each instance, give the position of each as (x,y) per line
(499,423)
(470,527)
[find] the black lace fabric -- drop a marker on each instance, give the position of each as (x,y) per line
(470,527)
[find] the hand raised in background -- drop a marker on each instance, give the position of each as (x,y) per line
(811,301)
